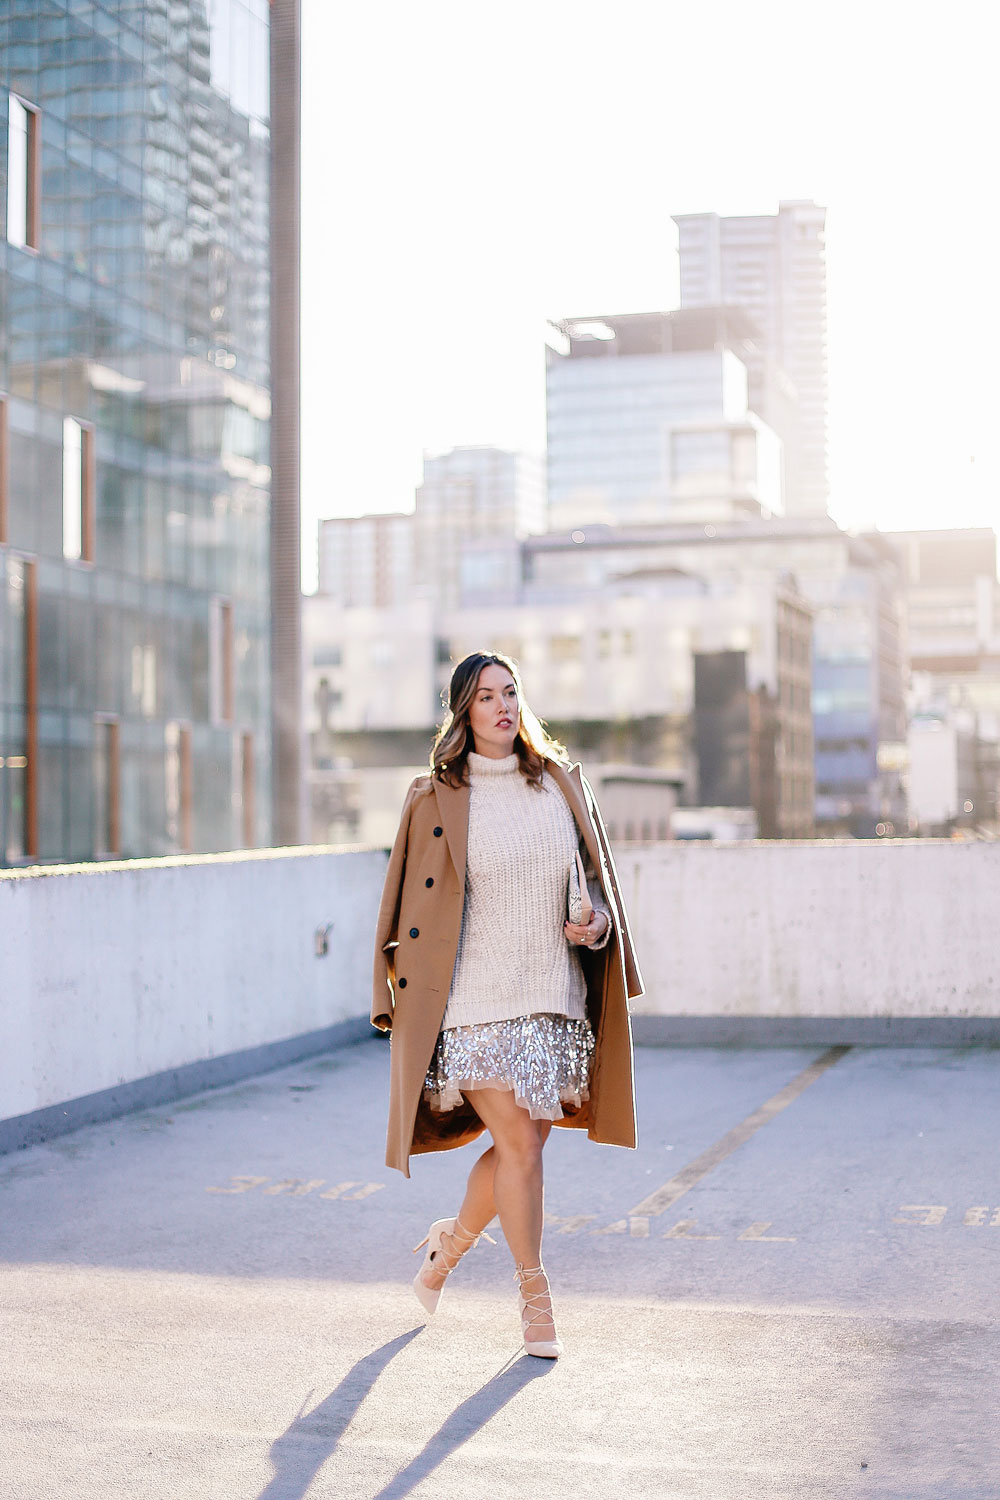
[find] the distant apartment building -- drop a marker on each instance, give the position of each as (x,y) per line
(952,600)
(774,267)
(649,421)
(366,561)
(945,773)
(852,587)
(473,507)
(669,695)
(136,442)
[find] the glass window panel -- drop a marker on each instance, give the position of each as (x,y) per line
(51,636)
(107,660)
(12,637)
(240,58)
(104,791)
(78,803)
(51,801)
(111,517)
(259,81)
(72,488)
(17,173)
(80,654)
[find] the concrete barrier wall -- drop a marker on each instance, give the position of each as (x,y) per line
(111,973)
(115,973)
(908,930)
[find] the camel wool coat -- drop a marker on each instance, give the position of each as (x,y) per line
(419,922)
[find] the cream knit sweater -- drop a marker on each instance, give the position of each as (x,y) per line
(513,958)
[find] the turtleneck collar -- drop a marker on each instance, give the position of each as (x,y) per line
(486,765)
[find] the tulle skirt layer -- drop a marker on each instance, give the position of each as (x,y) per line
(543,1060)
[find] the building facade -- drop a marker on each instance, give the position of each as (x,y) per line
(944,772)
(953,629)
(135,407)
(649,421)
(853,588)
(618,684)
(367,561)
(473,507)
(774,267)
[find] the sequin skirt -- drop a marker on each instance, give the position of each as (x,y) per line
(543,1060)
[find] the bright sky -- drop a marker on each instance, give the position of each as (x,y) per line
(470,170)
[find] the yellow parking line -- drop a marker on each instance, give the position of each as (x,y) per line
(687,1178)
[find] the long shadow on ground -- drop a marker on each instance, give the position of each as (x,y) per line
(464,1421)
(303,1449)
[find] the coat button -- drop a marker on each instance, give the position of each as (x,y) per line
(429,881)
(438,832)
(414,932)
(402,984)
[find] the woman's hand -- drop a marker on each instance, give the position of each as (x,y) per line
(587,936)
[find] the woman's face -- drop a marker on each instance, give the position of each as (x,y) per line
(494,713)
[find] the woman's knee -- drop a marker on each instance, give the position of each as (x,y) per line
(516,1136)
(521,1146)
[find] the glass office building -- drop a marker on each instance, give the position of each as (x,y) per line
(134,428)
(648,421)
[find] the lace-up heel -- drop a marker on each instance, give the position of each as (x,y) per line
(441,1258)
(531,1313)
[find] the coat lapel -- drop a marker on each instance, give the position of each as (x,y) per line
(453,809)
(571,785)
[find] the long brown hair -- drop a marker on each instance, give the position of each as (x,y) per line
(532,745)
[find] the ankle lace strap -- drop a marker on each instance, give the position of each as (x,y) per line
(531,1313)
(460,1231)
(525,1273)
(450,1258)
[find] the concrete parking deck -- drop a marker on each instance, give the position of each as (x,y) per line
(789,1290)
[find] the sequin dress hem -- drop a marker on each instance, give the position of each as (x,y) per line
(542,1059)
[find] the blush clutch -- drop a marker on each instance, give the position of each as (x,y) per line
(579,907)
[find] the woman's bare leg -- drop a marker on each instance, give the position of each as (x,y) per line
(517,1186)
(479,1206)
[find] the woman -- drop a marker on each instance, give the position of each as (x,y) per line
(504,1015)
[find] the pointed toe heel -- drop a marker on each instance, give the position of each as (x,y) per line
(442,1258)
(531,1314)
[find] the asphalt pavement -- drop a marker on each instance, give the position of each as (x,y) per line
(788,1290)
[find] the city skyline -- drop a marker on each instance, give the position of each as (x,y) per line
(423,326)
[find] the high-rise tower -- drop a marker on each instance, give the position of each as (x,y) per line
(773,266)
